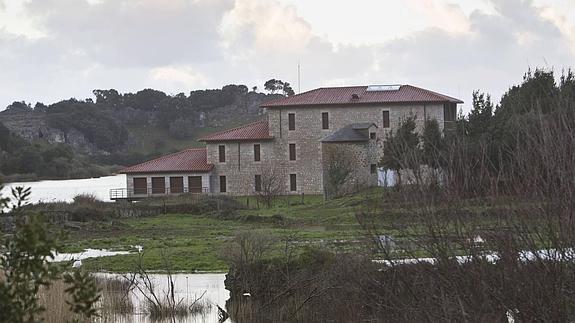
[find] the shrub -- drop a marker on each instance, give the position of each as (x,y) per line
(86,199)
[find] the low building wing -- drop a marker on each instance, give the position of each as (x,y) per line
(189,160)
(362,95)
(258,130)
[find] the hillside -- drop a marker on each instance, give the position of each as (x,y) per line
(116,129)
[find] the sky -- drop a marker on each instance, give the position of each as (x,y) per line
(57,49)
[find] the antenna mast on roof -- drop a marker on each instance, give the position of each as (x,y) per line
(298,78)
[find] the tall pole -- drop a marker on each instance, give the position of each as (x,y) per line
(298,78)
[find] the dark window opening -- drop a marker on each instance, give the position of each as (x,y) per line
(373,168)
(140,185)
(158,185)
(291,121)
(258,183)
(372,135)
(386,119)
(449,111)
(195,184)
(325,120)
(292,182)
(223,183)
(291,151)
(222,153)
(176,185)
(257,156)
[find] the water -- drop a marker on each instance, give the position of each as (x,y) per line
(65,190)
(87,253)
(186,286)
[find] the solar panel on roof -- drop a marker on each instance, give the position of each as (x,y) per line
(376,88)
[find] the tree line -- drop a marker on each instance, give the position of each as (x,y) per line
(484,144)
(107,122)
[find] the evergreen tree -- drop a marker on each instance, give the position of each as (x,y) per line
(401,149)
(433,144)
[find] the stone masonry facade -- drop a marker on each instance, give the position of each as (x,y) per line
(298,142)
(240,169)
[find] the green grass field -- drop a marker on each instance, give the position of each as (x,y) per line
(194,242)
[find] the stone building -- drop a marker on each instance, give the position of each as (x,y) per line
(300,139)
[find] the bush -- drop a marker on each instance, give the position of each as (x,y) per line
(85,213)
(223,207)
(86,199)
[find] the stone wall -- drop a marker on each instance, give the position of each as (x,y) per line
(308,166)
(239,167)
(353,159)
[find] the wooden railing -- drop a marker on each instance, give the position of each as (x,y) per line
(124,193)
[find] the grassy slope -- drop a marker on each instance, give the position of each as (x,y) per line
(193,242)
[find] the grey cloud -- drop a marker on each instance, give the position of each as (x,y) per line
(117,43)
(134,33)
(491,58)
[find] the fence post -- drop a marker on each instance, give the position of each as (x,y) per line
(248,202)
(302,198)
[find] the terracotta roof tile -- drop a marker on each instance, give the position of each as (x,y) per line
(345,95)
(258,130)
(189,160)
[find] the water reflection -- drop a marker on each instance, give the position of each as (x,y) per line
(65,190)
(187,287)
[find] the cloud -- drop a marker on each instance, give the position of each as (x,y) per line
(265,26)
(495,53)
(269,39)
(179,78)
(134,33)
(443,15)
(562,21)
(179,45)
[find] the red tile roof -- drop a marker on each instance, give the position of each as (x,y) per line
(189,160)
(344,95)
(258,130)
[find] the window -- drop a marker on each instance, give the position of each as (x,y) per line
(195,184)
(291,151)
(373,168)
(223,183)
(386,119)
(158,185)
(449,111)
(140,185)
(222,153)
(291,121)
(258,183)
(325,120)
(372,135)
(176,185)
(292,182)
(257,156)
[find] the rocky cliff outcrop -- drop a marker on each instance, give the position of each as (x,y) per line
(107,127)
(32,125)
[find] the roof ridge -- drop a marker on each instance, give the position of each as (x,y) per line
(232,129)
(442,96)
(341,87)
(282,98)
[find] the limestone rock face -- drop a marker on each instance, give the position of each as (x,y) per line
(32,125)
